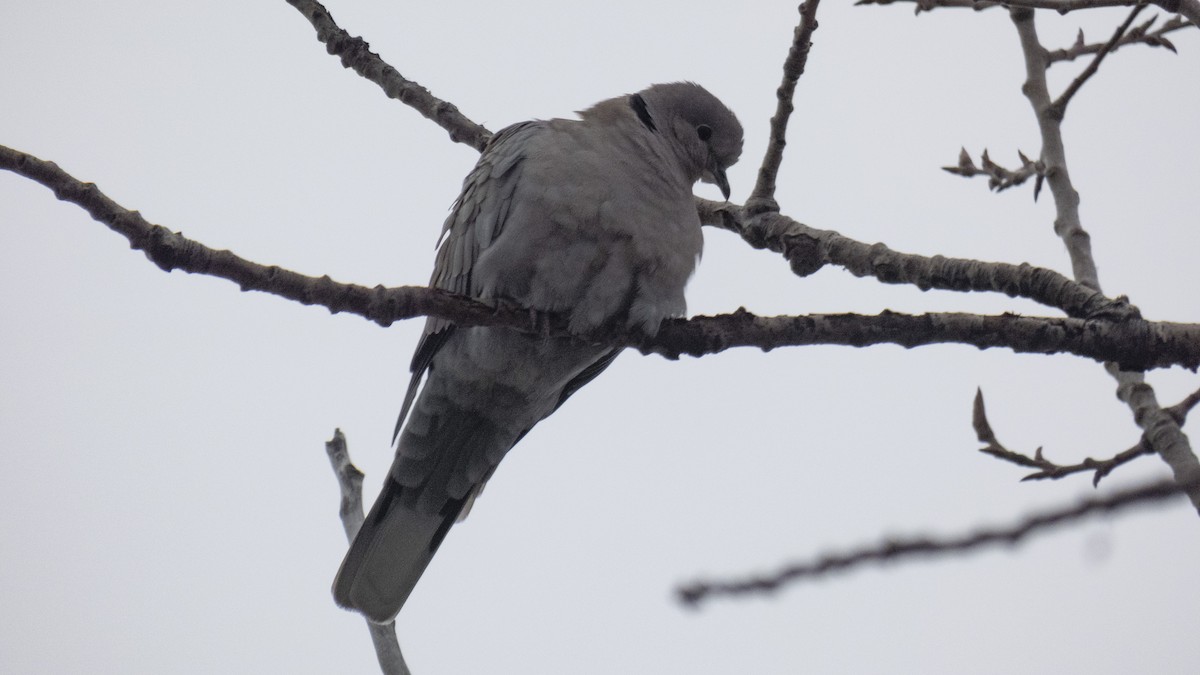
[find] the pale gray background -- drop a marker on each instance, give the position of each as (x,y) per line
(165,500)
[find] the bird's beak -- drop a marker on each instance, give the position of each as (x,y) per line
(715,174)
(722,182)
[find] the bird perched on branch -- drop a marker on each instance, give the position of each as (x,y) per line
(593,219)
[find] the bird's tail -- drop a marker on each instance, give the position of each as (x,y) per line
(389,554)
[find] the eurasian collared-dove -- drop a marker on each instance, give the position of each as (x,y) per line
(592,218)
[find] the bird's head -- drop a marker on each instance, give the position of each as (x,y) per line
(705,131)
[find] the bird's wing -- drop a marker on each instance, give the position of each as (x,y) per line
(476,219)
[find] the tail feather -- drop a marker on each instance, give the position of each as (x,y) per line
(389,554)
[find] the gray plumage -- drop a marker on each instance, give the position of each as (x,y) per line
(592,218)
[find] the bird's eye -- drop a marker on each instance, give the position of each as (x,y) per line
(704,132)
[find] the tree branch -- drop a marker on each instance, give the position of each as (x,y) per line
(1132,341)
(1049,470)
(1067,223)
(763,196)
(930,5)
(356,53)
(1059,107)
(1188,8)
(1141,343)
(808,249)
(1138,35)
(171,251)
(1160,428)
(822,565)
(999,178)
(387,646)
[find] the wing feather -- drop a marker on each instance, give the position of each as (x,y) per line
(476,219)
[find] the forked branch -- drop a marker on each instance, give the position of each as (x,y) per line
(387,645)
(1053,471)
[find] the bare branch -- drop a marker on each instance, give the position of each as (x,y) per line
(1059,106)
(1137,35)
(1188,8)
(1161,429)
(823,565)
(1180,410)
(350,481)
(1147,344)
(999,178)
(1067,224)
(1065,6)
(172,251)
(763,196)
(356,53)
(1046,468)
(387,645)
(930,5)
(808,249)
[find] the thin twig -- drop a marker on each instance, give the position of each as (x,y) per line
(822,565)
(355,53)
(1178,412)
(763,196)
(1188,8)
(1060,104)
(387,645)
(999,178)
(1050,470)
(1136,35)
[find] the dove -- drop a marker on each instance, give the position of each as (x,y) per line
(591,219)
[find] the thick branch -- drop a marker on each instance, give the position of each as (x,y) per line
(763,196)
(1146,344)
(808,249)
(930,5)
(823,565)
(1160,428)
(172,251)
(356,53)
(387,645)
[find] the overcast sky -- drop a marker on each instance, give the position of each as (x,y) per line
(166,504)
